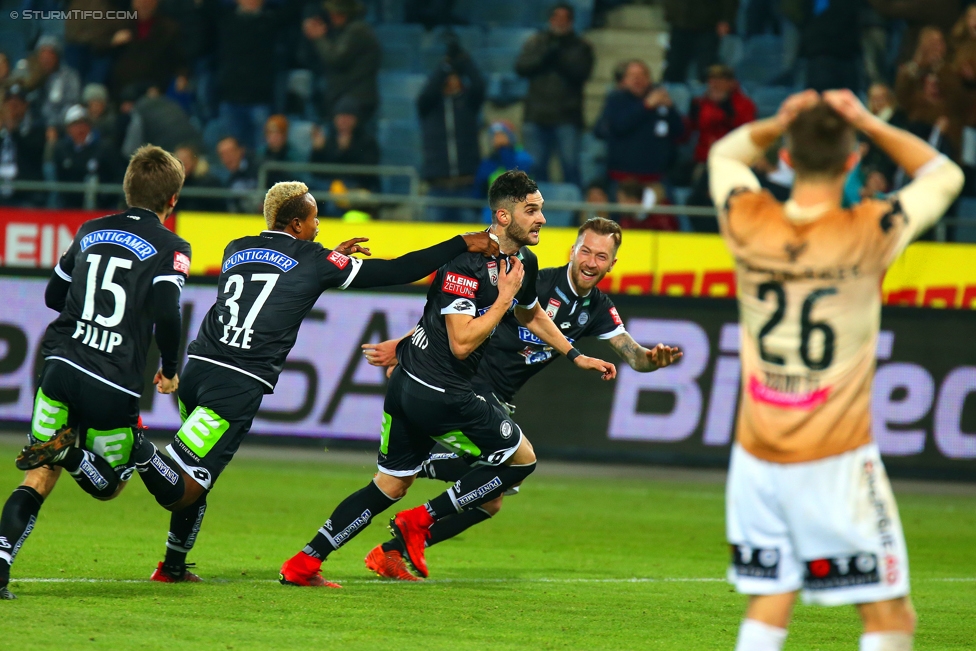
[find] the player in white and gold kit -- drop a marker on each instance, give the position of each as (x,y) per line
(809,506)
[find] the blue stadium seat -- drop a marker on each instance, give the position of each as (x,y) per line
(398,108)
(768,99)
(497,12)
(680,95)
(505,88)
(401,84)
(966,232)
(496,59)
(401,46)
(399,142)
(762,59)
(13,44)
(552,192)
(508,37)
(593,158)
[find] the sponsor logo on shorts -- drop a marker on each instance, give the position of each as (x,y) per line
(168,473)
(181,263)
(338,259)
(889,542)
(3,543)
(202,475)
(126,473)
(355,526)
(506,429)
(755,562)
(477,493)
(841,572)
(455,283)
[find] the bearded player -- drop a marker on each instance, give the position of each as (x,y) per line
(809,508)
(515,355)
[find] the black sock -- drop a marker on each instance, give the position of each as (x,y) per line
(184,525)
(94,474)
(444,466)
(162,477)
(483,484)
(393,544)
(349,518)
(16,523)
(455,524)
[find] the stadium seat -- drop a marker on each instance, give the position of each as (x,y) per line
(401,84)
(966,231)
(553,192)
(13,44)
(762,59)
(506,88)
(680,95)
(593,158)
(401,46)
(497,12)
(399,142)
(496,59)
(768,99)
(508,37)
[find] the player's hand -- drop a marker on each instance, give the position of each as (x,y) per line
(510,279)
(482,242)
(352,246)
(165,384)
(586,363)
(795,104)
(381,354)
(849,106)
(662,356)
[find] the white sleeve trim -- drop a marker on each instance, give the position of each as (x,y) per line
(356,266)
(176,279)
(531,305)
(619,330)
(461,306)
(930,166)
(60,272)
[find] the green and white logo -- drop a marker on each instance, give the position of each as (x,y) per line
(112,445)
(201,430)
(49,416)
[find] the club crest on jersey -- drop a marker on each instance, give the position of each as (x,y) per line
(455,283)
(583,317)
(339,260)
(552,308)
(181,263)
(493,272)
(126,240)
(506,429)
(265,256)
(615,316)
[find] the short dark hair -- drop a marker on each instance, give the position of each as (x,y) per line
(819,141)
(510,188)
(152,178)
(631,188)
(564,5)
(602,226)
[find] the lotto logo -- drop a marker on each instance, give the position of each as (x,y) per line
(181,263)
(338,259)
(615,316)
(455,283)
(4,544)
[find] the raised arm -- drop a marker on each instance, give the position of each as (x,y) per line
(465,332)
(539,323)
(644,360)
(419,264)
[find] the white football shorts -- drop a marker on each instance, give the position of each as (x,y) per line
(829,527)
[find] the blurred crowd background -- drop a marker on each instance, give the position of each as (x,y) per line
(607,101)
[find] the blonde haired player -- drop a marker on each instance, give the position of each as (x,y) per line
(808,503)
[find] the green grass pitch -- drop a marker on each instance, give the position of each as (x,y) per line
(550,572)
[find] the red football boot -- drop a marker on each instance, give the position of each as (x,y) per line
(303,570)
(412,528)
(389,565)
(167,574)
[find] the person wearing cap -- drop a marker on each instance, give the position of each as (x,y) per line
(347,143)
(52,86)
(350,56)
(21,149)
(82,154)
(449,106)
(95,100)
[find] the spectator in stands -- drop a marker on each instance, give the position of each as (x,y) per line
(21,149)
(147,49)
(881,103)
(721,109)
(348,143)
(80,155)
(52,86)
(448,106)
(596,192)
(349,54)
(696,31)
(964,31)
(242,174)
(158,120)
(197,173)
(641,127)
(557,63)
(247,36)
(5,76)
(918,14)
(276,148)
(506,154)
(929,58)
(635,193)
(830,40)
(430,13)
(88,42)
(95,99)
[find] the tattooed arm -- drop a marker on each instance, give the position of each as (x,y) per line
(641,359)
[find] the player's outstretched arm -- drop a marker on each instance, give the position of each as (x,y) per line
(539,323)
(384,353)
(465,333)
(420,264)
(644,360)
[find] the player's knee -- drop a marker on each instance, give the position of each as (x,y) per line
(393,487)
(114,494)
(524,455)
(42,479)
(492,507)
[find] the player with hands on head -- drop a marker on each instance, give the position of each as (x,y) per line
(267,286)
(809,508)
(514,356)
(430,397)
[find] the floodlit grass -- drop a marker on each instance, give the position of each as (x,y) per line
(547,573)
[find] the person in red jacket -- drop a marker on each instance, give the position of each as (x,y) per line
(721,109)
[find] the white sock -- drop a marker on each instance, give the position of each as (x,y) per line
(757,636)
(889,641)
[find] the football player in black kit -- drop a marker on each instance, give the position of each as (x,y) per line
(268,284)
(121,277)
(430,399)
(515,355)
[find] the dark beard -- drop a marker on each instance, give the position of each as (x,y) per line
(517,234)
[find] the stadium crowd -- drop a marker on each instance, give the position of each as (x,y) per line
(230,84)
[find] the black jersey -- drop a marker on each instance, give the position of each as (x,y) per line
(268,284)
(515,354)
(113,264)
(468,284)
